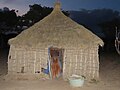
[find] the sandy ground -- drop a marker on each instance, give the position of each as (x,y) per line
(109,77)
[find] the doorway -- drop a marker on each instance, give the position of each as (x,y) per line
(56,62)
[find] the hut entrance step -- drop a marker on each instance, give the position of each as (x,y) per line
(55,62)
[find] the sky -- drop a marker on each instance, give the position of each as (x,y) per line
(23,5)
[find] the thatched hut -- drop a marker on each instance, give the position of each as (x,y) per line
(76,45)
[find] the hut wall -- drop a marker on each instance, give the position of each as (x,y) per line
(83,62)
(76,61)
(27,61)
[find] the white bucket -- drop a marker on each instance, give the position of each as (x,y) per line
(76,81)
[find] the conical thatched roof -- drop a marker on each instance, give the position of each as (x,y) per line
(56,30)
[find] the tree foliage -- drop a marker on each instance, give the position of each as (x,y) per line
(37,12)
(109,27)
(8,18)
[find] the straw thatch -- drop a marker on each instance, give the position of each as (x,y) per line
(56,29)
(29,50)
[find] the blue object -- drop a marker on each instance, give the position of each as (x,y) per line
(46,71)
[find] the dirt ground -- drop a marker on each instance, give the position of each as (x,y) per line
(109,77)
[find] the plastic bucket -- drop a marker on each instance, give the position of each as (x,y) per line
(76,81)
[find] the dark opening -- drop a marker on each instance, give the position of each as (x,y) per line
(56,62)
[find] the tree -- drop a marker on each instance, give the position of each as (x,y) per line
(8,20)
(109,29)
(37,12)
(8,17)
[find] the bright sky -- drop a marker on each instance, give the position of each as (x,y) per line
(23,5)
